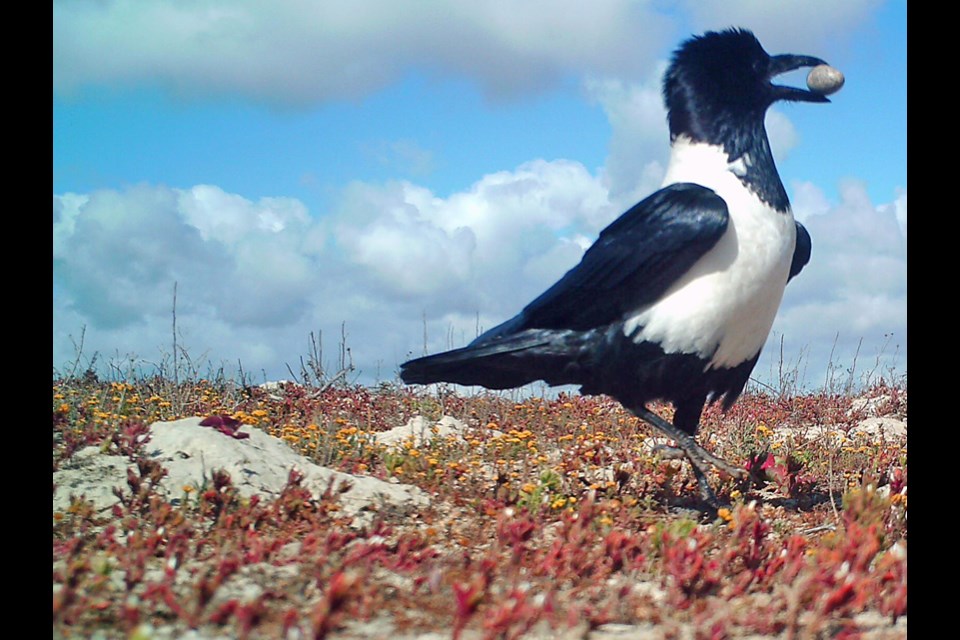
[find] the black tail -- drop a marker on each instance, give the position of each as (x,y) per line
(502,362)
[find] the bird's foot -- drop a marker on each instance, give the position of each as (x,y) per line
(668,452)
(700,459)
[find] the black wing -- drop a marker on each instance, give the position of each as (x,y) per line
(801,253)
(633,262)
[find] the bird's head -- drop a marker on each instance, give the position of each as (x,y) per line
(722,81)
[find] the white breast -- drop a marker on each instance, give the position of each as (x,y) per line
(724,307)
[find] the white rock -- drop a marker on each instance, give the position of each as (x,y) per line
(421,430)
(275,385)
(886,427)
(258,465)
(868,406)
(825,79)
(92,474)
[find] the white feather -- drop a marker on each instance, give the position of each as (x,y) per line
(723,308)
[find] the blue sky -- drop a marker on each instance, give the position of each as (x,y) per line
(301,165)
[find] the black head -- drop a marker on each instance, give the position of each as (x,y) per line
(721,81)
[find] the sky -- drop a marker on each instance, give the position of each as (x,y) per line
(409,174)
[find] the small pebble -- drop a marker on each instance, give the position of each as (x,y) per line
(824,79)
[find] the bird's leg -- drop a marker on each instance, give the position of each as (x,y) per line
(700,458)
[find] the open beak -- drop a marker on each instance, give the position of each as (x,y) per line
(789,62)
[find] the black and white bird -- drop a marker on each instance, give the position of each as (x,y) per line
(675,299)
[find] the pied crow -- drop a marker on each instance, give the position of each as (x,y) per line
(676,298)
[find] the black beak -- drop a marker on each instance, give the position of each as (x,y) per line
(789,62)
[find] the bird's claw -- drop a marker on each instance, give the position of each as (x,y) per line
(687,447)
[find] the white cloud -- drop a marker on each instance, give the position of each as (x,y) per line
(855,286)
(640,142)
(786,26)
(393,234)
(899,207)
(299,52)
(117,255)
(230,218)
(114,252)
(253,280)
(251,286)
(469,247)
(808,200)
(782,134)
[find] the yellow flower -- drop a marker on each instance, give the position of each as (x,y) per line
(725,514)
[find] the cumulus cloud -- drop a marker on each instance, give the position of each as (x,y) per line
(899,208)
(255,277)
(297,53)
(112,251)
(808,200)
(468,248)
(639,145)
(788,26)
(782,134)
(118,253)
(854,288)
